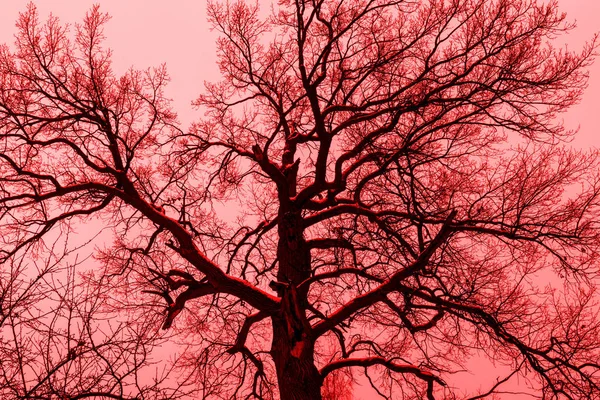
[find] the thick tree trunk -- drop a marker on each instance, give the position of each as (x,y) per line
(297,375)
(293,347)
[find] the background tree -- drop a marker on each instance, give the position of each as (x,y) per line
(338,385)
(374,184)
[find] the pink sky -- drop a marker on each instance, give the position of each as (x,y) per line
(146,33)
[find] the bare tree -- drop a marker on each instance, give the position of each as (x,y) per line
(338,385)
(375,184)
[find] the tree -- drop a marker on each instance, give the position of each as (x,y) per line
(404,198)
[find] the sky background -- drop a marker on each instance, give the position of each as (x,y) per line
(144,33)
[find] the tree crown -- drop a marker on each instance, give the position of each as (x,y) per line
(406,197)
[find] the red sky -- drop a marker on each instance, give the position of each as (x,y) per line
(144,33)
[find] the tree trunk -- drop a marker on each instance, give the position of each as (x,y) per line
(293,346)
(297,375)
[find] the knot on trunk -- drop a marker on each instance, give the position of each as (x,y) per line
(297,327)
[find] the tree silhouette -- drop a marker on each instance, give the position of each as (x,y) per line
(375,184)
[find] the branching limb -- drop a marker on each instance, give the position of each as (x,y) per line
(240,341)
(427,376)
(392,284)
